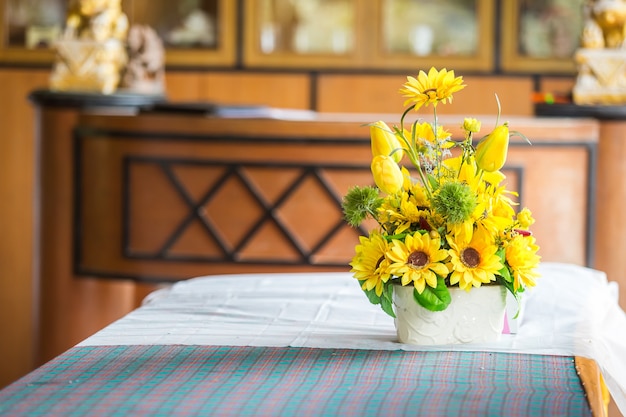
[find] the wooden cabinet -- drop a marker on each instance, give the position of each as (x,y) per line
(165,197)
(380,35)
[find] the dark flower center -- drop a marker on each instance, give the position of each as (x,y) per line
(470,257)
(418,259)
(423,224)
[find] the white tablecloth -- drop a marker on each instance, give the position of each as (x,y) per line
(572,311)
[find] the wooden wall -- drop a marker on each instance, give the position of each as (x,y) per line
(17,172)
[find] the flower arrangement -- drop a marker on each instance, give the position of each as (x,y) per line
(449,221)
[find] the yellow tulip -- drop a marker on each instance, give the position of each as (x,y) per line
(384,141)
(491,151)
(387,174)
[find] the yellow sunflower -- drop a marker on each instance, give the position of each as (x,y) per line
(404,213)
(418,195)
(431,88)
(369,264)
(473,259)
(521,255)
(417,259)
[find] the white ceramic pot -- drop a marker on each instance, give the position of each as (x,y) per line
(476,316)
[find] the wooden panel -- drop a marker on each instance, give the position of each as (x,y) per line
(263,204)
(177,198)
(610,197)
(479,97)
(184,86)
(556,189)
(276,90)
(17,170)
(561,85)
(375,94)
(70,309)
(240,88)
(359,93)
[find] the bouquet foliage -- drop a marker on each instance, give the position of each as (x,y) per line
(445,218)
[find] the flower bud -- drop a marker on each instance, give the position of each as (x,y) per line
(387,174)
(525,218)
(471,125)
(384,141)
(491,151)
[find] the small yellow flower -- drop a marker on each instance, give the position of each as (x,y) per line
(471,125)
(491,151)
(431,88)
(525,218)
(387,174)
(521,255)
(384,141)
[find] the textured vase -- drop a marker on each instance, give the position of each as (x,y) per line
(476,316)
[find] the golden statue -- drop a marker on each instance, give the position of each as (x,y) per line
(91,54)
(601,60)
(605,24)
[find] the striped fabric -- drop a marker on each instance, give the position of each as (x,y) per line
(260,381)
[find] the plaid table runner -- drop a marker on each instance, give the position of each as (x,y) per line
(260,381)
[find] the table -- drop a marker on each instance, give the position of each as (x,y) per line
(311,344)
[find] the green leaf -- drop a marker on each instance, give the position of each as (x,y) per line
(434,184)
(518,300)
(508,283)
(506,274)
(385,299)
(371,294)
(434,299)
(386,302)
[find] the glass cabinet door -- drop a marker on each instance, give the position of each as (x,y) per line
(194,32)
(383,34)
(457,34)
(541,35)
(319,33)
(28,28)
